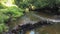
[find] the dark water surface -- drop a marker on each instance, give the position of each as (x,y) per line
(32,18)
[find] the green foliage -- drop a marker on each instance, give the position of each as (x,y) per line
(1,19)
(2,6)
(5,14)
(57,1)
(21,3)
(8,12)
(3,27)
(13,11)
(36,3)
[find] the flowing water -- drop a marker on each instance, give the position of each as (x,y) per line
(49,29)
(33,18)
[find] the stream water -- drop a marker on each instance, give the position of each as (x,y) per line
(49,29)
(33,18)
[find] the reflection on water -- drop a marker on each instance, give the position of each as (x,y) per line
(29,18)
(32,32)
(49,29)
(52,29)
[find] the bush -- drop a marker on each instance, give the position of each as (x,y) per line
(7,13)
(3,27)
(11,12)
